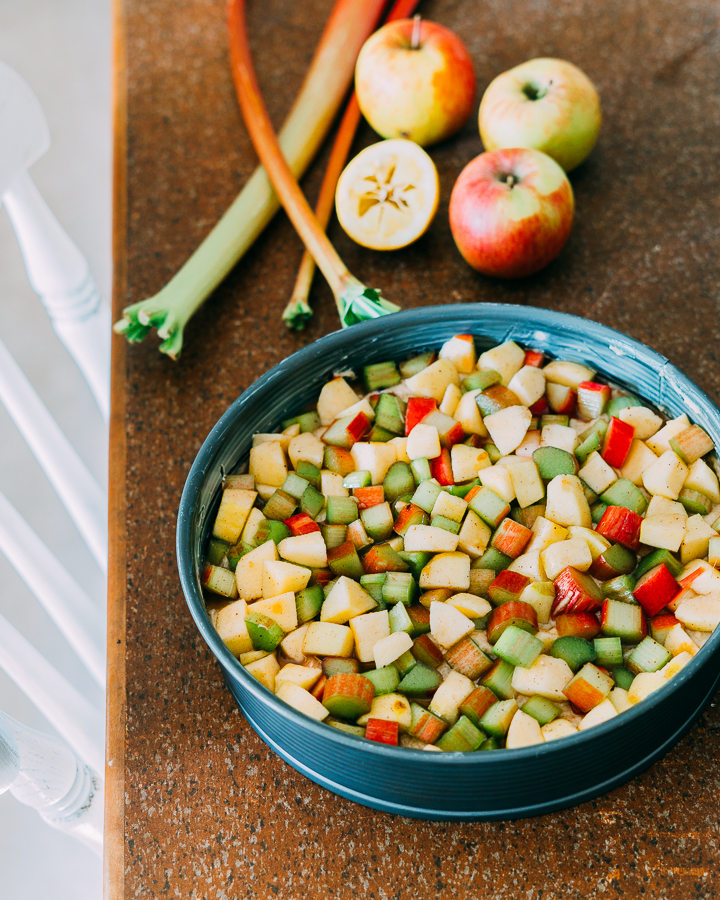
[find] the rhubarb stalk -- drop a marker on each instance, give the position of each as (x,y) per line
(354,300)
(329,77)
(298,310)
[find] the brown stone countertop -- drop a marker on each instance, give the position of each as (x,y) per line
(197,805)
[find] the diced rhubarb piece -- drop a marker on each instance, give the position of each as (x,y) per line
(589,688)
(401,588)
(341,510)
(592,399)
(541,709)
(382,731)
(410,515)
(648,656)
(441,468)
(339,665)
(499,681)
(418,614)
(399,481)
(616,560)
(426,651)
(357,534)
(477,704)
(468,659)
(540,407)
(578,624)
(301,524)
(575,592)
(534,358)
(348,695)
(421,682)
(378,521)
(507,587)
(562,399)
(620,588)
(358,427)
(518,647)
(553,461)
(656,589)
(369,496)
(383,558)
(495,398)
(573,650)
(661,625)
(426,726)
(621,526)
(344,560)
(616,445)
(491,507)
(511,538)
(220,581)
(623,620)
(390,414)
(691,444)
(517,613)
(265,633)
(417,409)
(463,737)
(339,461)
(380,375)
(319,688)
(384,680)
(417,363)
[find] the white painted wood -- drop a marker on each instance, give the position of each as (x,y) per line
(79,491)
(61,276)
(9,757)
(65,791)
(24,132)
(81,621)
(77,720)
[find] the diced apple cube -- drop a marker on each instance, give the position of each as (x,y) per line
(430,539)
(528,384)
(665,531)
(644,684)
(252,656)
(676,664)
(249,571)
(558,728)
(597,544)
(231,628)
(328,639)
(619,699)
(566,502)
(448,697)
(603,712)
(280,577)
(569,374)
(255,517)
(345,600)
(526,481)
(645,422)
(302,700)
(505,359)
(467,461)
(367,630)
(547,677)
(450,506)
(468,414)
(446,570)
(705,580)
(524,731)
(701,478)
(540,595)
(659,443)
(433,381)
(679,641)
(280,609)
(265,670)
(305,550)
(474,535)
(267,464)
(308,448)
(697,537)
(364,406)
(562,436)
(374,457)
(292,644)
(451,399)
(661,506)
(545,533)
(387,649)
(548,638)
(400,445)
(423,441)
(265,491)
(498,479)
(331,485)
(469,605)
(292,430)
(597,474)
(574,552)
(303,676)
(447,624)
(638,459)
(460,351)
(389,708)
(666,476)
(701,613)
(280,437)
(335,396)
(530,565)
(235,507)
(508,427)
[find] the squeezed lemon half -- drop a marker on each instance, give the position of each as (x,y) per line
(387,195)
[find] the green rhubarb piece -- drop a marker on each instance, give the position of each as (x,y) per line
(378,435)
(608,652)
(421,470)
(280,506)
(481,380)
(358,479)
(499,679)
(656,558)
(490,506)
(591,444)
(590,494)
(495,398)
(344,560)
(295,485)
(529,515)
(625,493)
(344,726)
(695,503)
(497,719)
(338,460)
(341,510)
(236,553)
(416,560)
(622,620)
(425,725)
(623,677)
(625,401)
(491,743)
(412,366)
(308,602)
(309,421)
(575,651)
(461,490)
(446,524)
(542,709)
(271,530)
(399,619)
(380,375)
(373,584)
(378,521)
(554,419)
(597,512)
(333,535)
(384,680)
(426,494)
(619,558)
(216,551)
(648,656)
(329,586)
(337,435)
(620,588)
(339,665)
(416,516)
(552,461)
(480,579)
(385,558)
(716,525)
(476,704)
(346,705)
(398,481)
(463,737)
(405,663)
(420,618)
(265,633)
(390,414)
(399,588)
(518,647)
(420,681)
(494,559)
(312,501)
(494,455)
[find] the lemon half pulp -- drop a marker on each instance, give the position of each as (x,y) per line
(387,195)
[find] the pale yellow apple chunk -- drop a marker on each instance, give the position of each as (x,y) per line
(448,697)
(707,582)
(367,630)
(645,684)
(701,613)
(335,396)
(249,532)
(659,443)
(506,359)
(547,677)
(389,708)
(597,544)
(619,699)
(451,400)
(665,531)
(678,641)
(467,461)
(603,712)
(597,474)
(433,380)
(280,609)
(702,478)
(524,731)
(302,700)
(265,670)
(566,503)
(460,351)
(545,533)
(389,648)
(400,445)
(540,595)
(374,457)
(638,459)
(450,506)
(474,535)
(561,436)
(697,539)
(331,485)
(446,570)
(249,571)
(676,664)
(304,550)
(666,476)
(661,506)
(447,624)
(308,448)
(645,422)
(468,414)
(303,676)
(558,728)
(430,539)
(363,406)
(469,605)
(267,464)
(292,644)
(530,565)
(277,437)
(328,639)
(232,630)
(345,600)
(498,479)
(508,427)
(569,374)
(280,577)
(252,656)
(423,441)
(526,482)
(574,552)
(235,507)
(528,384)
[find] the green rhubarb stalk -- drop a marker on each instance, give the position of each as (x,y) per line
(329,77)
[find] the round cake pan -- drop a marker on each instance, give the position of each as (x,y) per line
(502,784)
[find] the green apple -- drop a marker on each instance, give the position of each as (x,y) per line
(543,104)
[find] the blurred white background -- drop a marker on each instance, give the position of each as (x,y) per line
(62,48)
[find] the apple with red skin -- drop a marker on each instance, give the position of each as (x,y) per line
(511,212)
(545,104)
(414,79)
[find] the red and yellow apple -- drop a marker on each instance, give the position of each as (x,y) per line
(414,79)
(545,104)
(511,212)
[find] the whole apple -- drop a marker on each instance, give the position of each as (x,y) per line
(511,212)
(414,79)
(546,104)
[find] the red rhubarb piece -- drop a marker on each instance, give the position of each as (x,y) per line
(511,538)
(409,515)
(621,526)
(540,407)
(507,586)
(301,524)
(534,358)
(618,439)
(656,589)
(475,489)
(417,409)
(382,731)
(578,624)
(515,612)
(575,592)
(441,468)
(319,688)
(369,496)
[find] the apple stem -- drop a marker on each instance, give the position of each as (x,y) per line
(510,180)
(415,39)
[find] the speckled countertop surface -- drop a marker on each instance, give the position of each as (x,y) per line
(198,806)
